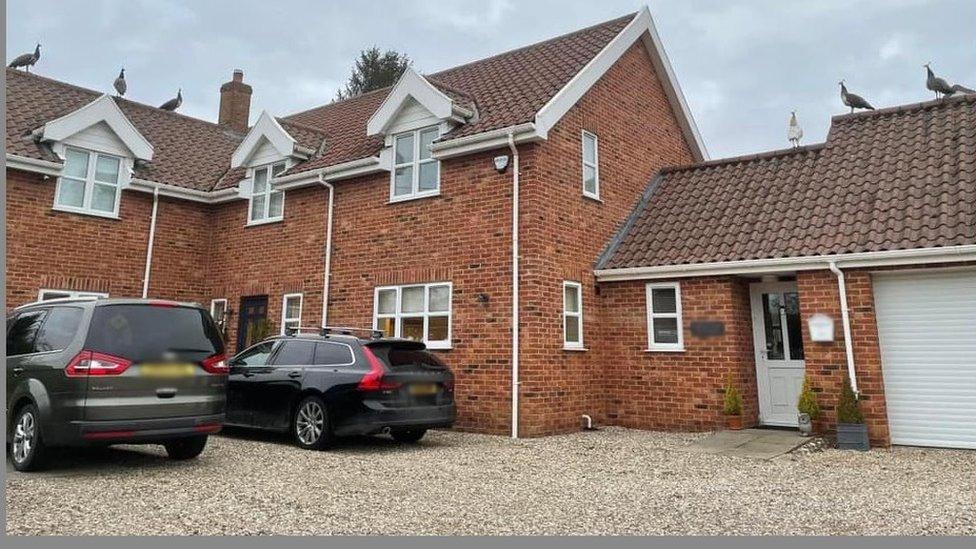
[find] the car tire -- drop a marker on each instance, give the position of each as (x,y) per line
(408,436)
(185,448)
(27,449)
(310,425)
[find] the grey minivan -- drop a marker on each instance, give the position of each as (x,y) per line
(111,371)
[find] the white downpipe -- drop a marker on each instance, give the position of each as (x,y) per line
(328,252)
(846,321)
(152,238)
(515,285)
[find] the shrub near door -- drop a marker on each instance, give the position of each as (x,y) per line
(732,407)
(852,433)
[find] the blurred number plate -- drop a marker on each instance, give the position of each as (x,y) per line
(167,371)
(423,389)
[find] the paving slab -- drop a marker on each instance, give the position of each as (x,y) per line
(764,444)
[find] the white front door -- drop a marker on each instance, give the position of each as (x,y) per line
(779,351)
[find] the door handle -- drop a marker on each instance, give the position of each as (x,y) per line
(248,374)
(293,375)
(18,370)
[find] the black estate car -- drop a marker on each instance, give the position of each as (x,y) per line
(332,383)
(85,371)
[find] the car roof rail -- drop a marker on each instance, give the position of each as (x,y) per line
(302,330)
(57,300)
(347,330)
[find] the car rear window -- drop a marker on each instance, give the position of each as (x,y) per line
(148,332)
(59,329)
(401,358)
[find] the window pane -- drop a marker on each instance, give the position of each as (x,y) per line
(72,193)
(387,302)
(773,326)
(103,197)
(412,300)
(793,325)
(54,295)
(404,149)
(387,326)
(332,353)
(665,330)
(257,356)
(107,169)
(404,181)
(572,329)
(440,298)
(278,168)
(257,207)
(589,179)
(277,204)
(571,299)
(76,164)
(437,328)
(296,352)
(293,307)
(663,301)
(427,138)
(260,180)
(412,328)
(59,329)
(589,149)
(20,337)
(429,176)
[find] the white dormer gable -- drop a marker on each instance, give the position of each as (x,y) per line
(414,98)
(267,141)
(99,125)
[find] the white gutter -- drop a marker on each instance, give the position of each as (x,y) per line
(485,141)
(353,168)
(328,253)
(183,193)
(515,285)
(35,165)
(846,320)
(149,250)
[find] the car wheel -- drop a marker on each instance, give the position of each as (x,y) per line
(408,436)
(27,450)
(311,424)
(185,448)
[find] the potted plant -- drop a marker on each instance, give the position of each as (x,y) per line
(852,433)
(732,407)
(809,407)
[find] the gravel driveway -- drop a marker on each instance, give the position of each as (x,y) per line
(613,481)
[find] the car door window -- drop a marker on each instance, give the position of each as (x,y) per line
(255,356)
(59,329)
(294,353)
(332,354)
(23,333)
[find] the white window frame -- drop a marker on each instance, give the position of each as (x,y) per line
(268,191)
(651,315)
(426,314)
(72,294)
(89,183)
(595,164)
(213,307)
(284,310)
(415,164)
(577,316)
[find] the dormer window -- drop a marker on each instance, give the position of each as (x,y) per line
(266,205)
(416,173)
(89,183)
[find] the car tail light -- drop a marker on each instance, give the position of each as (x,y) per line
(216,364)
(90,363)
(373,380)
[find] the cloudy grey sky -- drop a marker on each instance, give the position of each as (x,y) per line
(743,64)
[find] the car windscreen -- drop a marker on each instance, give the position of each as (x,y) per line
(143,333)
(403,358)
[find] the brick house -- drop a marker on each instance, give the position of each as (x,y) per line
(488,209)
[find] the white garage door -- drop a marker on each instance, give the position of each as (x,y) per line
(927,328)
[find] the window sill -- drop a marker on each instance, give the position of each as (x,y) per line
(666,350)
(395,200)
(264,222)
(594,198)
(576,349)
(90,213)
(440,348)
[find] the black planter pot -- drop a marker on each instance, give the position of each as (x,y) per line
(853,436)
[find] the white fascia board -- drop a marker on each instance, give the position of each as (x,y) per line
(103,109)
(28,164)
(173,191)
(268,128)
(641,27)
(918,256)
(486,141)
(346,170)
(410,84)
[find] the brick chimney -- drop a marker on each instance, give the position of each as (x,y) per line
(235,102)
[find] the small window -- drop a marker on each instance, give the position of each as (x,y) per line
(572,315)
(416,173)
(296,352)
(664,317)
(291,312)
(332,354)
(419,312)
(591,166)
(59,329)
(45,295)
(89,183)
(218,310)
(255,356)
(23,331)
(266,205)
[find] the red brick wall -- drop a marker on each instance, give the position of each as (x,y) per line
(563,232)
(677,390)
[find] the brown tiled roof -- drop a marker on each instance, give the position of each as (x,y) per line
(187,152)
(893,179)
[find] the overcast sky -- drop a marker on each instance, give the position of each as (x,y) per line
(742,64)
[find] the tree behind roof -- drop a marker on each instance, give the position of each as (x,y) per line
(374,70)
